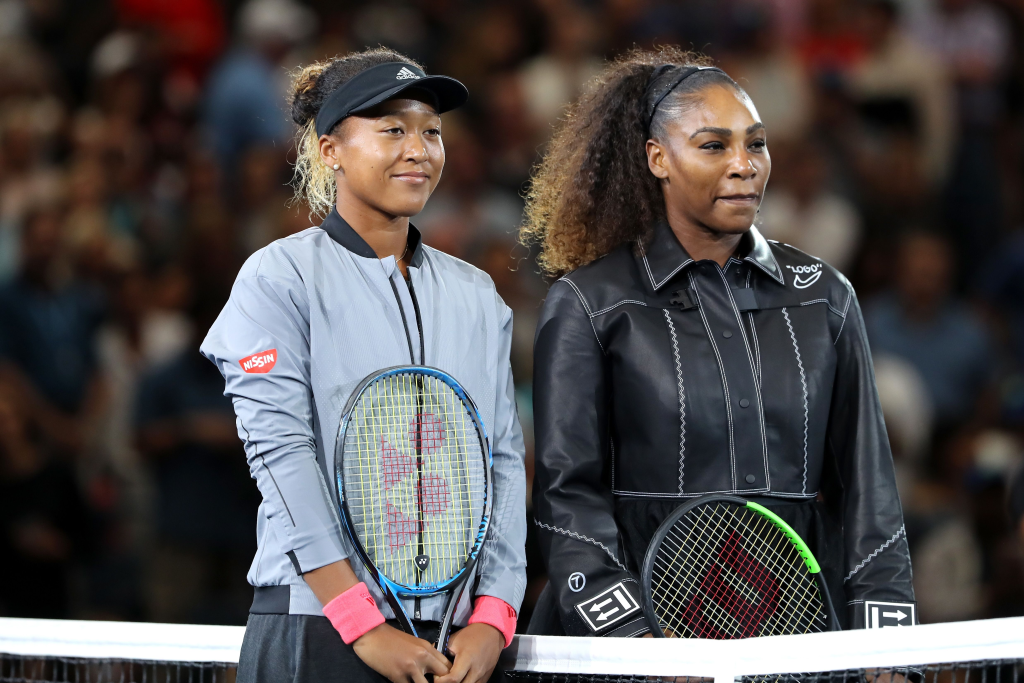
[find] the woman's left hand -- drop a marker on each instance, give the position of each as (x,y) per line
(476,649)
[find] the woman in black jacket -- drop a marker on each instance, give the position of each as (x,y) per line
(681,353)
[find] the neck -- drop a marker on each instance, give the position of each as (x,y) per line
(386,234)
(703,243)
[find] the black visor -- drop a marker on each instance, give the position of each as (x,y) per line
(382,82)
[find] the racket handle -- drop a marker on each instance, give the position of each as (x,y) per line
(449,616)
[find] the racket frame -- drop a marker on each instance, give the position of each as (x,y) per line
(392,590)
(647,595)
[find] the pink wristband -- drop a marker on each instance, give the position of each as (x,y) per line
(497,613)
(353,613)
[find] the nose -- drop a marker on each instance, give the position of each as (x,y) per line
(416,150)
(741,166)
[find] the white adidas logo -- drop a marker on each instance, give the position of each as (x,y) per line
(404,75)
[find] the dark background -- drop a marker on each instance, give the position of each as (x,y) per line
(144,154)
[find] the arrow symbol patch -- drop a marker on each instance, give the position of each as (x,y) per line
(610,606)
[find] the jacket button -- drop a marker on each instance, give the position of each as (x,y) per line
(744,403)
(749,478)
(726,334)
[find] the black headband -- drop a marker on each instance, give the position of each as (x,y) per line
(664,80)
(382,82)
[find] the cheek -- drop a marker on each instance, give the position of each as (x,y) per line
(700,175)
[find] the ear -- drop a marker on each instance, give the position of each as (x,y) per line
(657,159)
(330,154)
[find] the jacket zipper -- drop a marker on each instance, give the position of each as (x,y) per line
(417,614)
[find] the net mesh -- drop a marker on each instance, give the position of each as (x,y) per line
(413,473)
(41,669)
(990,651)
(726,571)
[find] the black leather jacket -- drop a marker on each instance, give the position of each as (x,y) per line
(660,378)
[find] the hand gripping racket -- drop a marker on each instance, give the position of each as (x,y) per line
(723,567)
(413,471)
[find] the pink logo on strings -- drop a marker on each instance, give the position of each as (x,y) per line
(432,494)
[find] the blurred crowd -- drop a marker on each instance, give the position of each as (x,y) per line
(145,152)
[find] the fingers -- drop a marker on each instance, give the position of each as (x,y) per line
(436,662)
(458,672)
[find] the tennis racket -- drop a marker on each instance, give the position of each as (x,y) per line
(413,471)
(723,567)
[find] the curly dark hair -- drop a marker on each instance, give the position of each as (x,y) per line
(593,191)
(311,84)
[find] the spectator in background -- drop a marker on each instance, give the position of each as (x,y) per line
(245,94)
(47,328)
(922,323)
(799,209)
(770,73)
(897,67)
(44,523)
(555,77)
(205,500)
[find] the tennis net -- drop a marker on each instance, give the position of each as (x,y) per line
(990,651)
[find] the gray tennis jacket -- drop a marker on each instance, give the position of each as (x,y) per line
(309,317)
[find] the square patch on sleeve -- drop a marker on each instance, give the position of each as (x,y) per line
(888,614)
(608,607)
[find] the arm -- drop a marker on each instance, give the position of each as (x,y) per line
(877,563)
(572,497)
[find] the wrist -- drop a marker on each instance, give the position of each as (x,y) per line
(353,613)
(497,613)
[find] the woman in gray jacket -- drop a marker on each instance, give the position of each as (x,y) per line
(310,316)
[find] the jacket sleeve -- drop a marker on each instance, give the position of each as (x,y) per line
(503,558)
(265,325)
(877,564)
(573,503)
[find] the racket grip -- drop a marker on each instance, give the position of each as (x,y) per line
(353,613)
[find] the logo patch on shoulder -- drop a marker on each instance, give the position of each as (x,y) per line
(608,607)
(888,614)
(261,362)
(805,276)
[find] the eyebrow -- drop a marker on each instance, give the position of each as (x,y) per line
(725,132)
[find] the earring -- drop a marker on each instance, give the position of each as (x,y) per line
(336,167)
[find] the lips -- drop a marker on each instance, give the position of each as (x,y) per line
(412,177)
(740,198)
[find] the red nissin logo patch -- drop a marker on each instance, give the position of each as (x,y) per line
(259,362)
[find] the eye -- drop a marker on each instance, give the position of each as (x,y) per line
(758,145)
(394,131)
(714,145)
(434,132)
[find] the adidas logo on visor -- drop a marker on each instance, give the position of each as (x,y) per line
(404,74)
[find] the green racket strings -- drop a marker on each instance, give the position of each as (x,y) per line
(414,478)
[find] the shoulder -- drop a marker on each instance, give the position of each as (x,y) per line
(609,281)
(809,279)
(286,259)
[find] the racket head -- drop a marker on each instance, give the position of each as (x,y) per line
(413,476)
(721,567)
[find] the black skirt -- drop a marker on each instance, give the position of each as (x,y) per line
(639,518)
(299,648)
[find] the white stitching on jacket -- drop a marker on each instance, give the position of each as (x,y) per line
(827,303)
(902,530)
(580,537)
(682,395)
(586,307)
(614,306)
(846,311)
(803,383)
(725,382)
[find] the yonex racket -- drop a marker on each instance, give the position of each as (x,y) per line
(723,567)
(413,471)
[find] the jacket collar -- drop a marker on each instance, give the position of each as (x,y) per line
(663,257)
(341,232)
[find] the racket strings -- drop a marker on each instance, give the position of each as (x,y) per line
(414,478)
(724,571)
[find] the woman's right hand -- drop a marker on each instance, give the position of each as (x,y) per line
(398,656)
